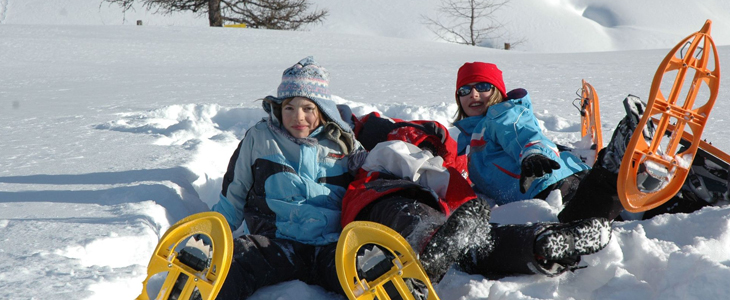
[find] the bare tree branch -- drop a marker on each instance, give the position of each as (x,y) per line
(468,22)
(272,14)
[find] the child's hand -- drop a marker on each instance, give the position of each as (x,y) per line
(535,166)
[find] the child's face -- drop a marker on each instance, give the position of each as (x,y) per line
(475,102)
(300,116)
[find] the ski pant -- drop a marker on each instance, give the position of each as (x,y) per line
(412,219)
(259,261)
(595,196)
(511,251)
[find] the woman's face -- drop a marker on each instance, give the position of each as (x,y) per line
(474,103)
(300,116)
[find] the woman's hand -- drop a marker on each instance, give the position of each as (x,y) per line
(535,166)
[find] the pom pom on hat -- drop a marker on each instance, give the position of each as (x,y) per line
(481,72)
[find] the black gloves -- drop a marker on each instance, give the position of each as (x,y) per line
(535,166)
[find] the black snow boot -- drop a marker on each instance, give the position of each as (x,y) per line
(523,249)
(651,176)
(467,230)
(622,134)
(560,246)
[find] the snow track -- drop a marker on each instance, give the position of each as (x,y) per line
(3,10)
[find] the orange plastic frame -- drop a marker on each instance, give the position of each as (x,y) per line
(684,114)
(590,119)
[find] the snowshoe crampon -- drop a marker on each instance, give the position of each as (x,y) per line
(375,262)
(590,117)
(708,178)
(652,172)
(178,270)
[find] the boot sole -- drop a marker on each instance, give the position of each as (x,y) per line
(585,237)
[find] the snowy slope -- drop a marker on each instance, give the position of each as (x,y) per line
(112,133)
(540,25)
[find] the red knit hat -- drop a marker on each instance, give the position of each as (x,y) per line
(481,72)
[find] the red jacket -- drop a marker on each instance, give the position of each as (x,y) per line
(370,186)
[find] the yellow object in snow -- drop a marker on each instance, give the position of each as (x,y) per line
(389,282)
(187,273)
(235,25)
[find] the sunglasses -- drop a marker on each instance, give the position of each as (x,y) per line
(480,87)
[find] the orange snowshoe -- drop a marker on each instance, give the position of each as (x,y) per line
(590,118)
(673,101)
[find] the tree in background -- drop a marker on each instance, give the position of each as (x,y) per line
(468,22)
(271,14)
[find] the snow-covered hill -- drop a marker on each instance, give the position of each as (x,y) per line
(530,25)
(109,134)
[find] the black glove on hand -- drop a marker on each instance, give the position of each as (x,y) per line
(535,166)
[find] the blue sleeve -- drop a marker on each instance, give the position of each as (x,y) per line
(232,204)
(225,208)
(517,130)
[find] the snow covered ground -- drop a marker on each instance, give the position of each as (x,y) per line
(109,134)
(529,25)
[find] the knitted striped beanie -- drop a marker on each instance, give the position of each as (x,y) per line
(309,80)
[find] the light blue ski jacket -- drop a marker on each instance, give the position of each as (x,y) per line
(498,142)
(286,187)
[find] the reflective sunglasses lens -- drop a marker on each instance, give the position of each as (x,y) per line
(480,87)
(464,90)
(483,86)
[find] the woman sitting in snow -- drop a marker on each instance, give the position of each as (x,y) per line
(510,159)
(286,181)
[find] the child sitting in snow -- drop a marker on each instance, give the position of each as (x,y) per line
(510,159)
(290,173)
(286,180)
